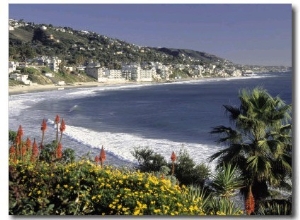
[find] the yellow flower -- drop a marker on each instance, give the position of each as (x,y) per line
(157,211)
(66,186)
(39,192)
(136,212)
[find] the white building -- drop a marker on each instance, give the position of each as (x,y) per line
(114,75)
(135,72)
(20,77)
(94,70)
(54,64)
(12,66)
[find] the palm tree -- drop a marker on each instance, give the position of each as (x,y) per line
(260,144)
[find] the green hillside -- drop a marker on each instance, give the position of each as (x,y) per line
(77,47)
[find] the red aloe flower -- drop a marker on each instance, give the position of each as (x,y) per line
(97,159)
(62,128)
(56,122)
(19,140)
(28,144)
(17,146)
(59,151)
(43,129)
(57,119)
(102,156)
(20,131)
(23,150)
(173,159)
(35,151)
(250,202)
(44,125)
(12,153)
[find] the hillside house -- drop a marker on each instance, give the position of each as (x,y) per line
(94,70)
(12,66)
(21,78)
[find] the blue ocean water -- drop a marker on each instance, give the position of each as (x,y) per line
(164,117)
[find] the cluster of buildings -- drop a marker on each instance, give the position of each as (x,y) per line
(139,72)
(128,72)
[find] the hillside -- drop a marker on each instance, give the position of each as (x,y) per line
(78,47)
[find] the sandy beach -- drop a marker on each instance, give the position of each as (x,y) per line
(39,88)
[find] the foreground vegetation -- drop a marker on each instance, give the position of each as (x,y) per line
(44,179)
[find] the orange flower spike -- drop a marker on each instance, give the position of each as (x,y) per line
(44,125)
(59,151)
(12,149)
(97,160)
(12,153)
(23,150)
(250,203)
(102,154)
(35,151)
(28,143)
(18,140)
(173,157)
(20,131)
(62,126)
(57,119)
(102,157)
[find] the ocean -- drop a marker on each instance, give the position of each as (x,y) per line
(165,117)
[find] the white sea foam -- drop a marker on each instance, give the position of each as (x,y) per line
(121,144)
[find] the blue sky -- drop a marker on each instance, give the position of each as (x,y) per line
(243,33)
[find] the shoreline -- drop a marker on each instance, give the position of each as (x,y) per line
(21,89)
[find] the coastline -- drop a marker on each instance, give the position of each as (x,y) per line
(19,89)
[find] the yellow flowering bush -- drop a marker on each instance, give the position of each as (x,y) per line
(83,188)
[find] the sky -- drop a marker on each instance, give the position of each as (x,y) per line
(258,34)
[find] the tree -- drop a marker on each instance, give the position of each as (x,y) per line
(26,51)
(39,35)
(260,143)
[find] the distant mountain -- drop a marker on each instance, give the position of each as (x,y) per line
(185,53)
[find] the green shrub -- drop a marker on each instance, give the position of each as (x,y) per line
(148,160)
(187,172)
(275,207)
